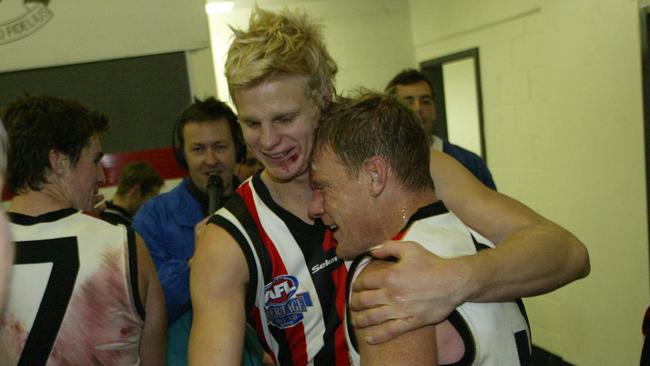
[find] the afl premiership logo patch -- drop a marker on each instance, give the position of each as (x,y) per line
(19,19)
(284,308)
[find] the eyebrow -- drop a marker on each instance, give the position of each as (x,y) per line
(274,117)
(293,113)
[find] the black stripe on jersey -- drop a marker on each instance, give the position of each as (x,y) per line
(133,272)
(523,348)
(26,220)
(477,245)
(63,253)
(468,339)
(237,206)
(310,240)
(348,289)
(433,209)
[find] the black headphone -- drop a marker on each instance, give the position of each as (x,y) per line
(209,109)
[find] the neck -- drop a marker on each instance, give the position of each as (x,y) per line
(392,218)
(123,203)
(293,195)
(36,203)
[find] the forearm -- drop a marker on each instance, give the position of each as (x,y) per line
(531,261)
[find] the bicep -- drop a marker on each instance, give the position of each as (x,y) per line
(490,213)
(218,279)
(415,347)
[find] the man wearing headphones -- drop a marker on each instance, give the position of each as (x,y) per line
(207,140)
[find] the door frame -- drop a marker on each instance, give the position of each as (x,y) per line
(433,70)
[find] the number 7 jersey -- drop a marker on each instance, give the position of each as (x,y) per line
(73,297)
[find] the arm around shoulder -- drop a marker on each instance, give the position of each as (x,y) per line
(153,346)
(533,255)
(218,279)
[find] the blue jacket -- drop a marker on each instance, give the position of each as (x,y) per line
(471,161)
(166,223)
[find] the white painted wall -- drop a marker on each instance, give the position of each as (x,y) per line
(370,39)
(564,133)
(84,31)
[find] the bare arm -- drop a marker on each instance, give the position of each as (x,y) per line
(153,347)
(218,286)
(533,256)
(6,258)
(415,347)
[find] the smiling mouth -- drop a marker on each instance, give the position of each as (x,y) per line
(283,157)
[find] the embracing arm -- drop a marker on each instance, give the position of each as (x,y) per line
(533,256)
(153,347)
(218,286)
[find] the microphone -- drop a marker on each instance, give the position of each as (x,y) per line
(215,189)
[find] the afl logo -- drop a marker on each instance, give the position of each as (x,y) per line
(283,306)
(19,19)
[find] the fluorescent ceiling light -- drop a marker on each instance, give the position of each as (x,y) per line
(219,7)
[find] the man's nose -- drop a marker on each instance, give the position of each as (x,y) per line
(417,107)
(101,175)
(269,137)
(211,157)
(316,205)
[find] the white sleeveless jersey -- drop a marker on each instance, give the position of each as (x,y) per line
(73,296)
(494,334)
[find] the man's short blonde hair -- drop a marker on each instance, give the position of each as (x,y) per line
(287,42)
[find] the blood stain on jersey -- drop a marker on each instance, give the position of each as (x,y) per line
(107,322)
(284,307)
(15,339)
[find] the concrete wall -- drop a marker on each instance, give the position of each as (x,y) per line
(564,134)
(34,35)
(369,39)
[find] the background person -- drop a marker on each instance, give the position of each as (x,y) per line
(102,302)
(416,91)
(365,148)
(138,183)
(207,140)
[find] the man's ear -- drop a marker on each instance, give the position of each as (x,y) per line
(327,97)
(134,192)
(377,170)
(59,162)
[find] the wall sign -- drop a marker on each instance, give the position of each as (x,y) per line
(19,19)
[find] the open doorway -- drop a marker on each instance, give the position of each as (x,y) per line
(457,93)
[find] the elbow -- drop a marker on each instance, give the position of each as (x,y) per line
(581,259)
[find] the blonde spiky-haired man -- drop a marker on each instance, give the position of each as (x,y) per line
(263,257)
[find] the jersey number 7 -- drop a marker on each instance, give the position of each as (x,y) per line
(63,253)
